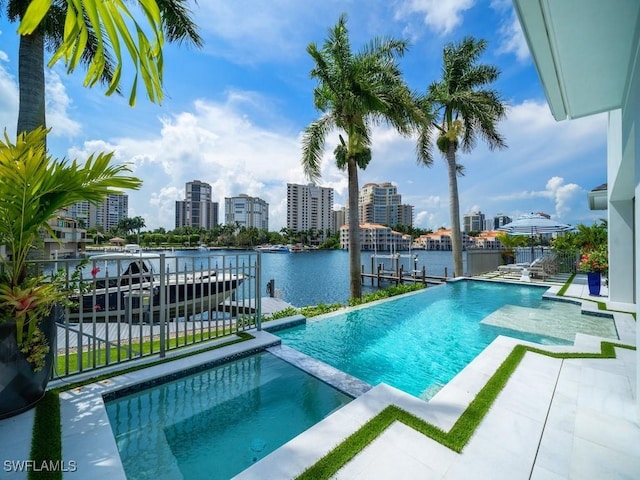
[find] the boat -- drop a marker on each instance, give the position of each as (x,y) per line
(136,292)
(272,248)
(132,248)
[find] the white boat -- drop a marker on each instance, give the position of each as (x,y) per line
(132,248)
(136,291)
(273,248)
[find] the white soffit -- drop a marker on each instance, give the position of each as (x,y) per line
(582,50)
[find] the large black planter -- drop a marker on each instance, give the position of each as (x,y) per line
(20,386)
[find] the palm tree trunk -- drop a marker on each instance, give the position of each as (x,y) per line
(31,110)
(454,212)
(355,283)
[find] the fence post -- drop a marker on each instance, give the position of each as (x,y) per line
(162,305)
(258,292)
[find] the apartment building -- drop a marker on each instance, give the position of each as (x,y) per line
(376,237)
(246,211)
(310,208)
(473,222)
(441,240)
(380,203)
(197,209)
(106,215)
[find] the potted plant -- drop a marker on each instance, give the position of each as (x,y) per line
(33,188)
(594,263)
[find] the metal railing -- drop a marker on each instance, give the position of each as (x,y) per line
(565,262)
(123,309)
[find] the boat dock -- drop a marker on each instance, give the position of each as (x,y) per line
(268,306)
(396,273)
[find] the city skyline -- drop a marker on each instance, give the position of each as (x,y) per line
(234,113)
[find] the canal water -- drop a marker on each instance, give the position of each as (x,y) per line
(316,276)
(322,276)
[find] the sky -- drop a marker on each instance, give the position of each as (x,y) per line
(234,113)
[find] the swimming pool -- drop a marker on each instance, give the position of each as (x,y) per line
(419,342)
(216,423)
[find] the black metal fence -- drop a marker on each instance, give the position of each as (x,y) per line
(125,307)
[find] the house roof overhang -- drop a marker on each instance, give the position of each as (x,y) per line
(598,198)
(583,51)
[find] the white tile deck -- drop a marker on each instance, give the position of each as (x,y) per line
(555,419)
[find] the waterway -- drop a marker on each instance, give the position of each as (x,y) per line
(322,276)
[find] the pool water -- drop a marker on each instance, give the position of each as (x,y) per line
(418,343)
(216,423)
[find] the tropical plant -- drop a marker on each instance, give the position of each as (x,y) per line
(466,109)
(354,92)
(33,188)
(92,33)
(584,238)
(595,260)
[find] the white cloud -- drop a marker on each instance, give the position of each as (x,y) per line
(58,102)
(440,16)
(563,195)
(512,39)
(58,105)
(8,99)
(215,143)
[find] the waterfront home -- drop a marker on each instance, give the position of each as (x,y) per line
(588,59)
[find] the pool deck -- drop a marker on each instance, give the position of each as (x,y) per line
(555,419)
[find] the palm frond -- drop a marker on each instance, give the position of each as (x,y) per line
(313,140)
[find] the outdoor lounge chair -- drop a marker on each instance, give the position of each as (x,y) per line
(513,267)
(544,267)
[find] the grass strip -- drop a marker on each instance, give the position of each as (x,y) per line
(566,285)
(46,441)
(461,432)
(46,436)
(98,358)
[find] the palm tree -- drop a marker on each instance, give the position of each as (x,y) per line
(466,108)
(96,35)
(355,92)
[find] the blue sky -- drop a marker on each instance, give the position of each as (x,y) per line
(235,110)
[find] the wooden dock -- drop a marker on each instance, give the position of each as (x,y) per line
(379,276)
(269,305)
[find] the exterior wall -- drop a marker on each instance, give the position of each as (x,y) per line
(620,215)
(623,179)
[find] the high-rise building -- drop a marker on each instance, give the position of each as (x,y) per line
(473,222)
(246,211)
(499,220)
(197,209)
(106,215)
(380,203)
(114,208)
(339,219)
(310,207)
